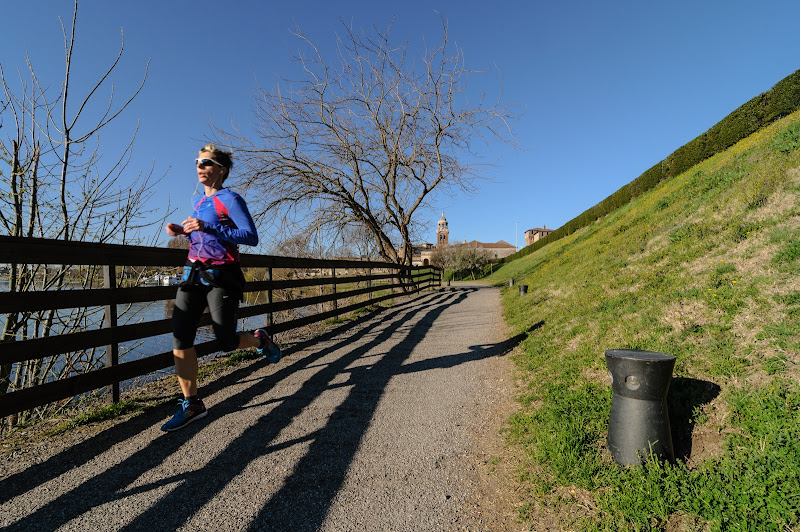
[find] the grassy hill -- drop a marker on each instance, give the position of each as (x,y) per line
(706,267)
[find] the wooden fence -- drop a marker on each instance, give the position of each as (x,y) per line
(382,281)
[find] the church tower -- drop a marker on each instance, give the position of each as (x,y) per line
(442,233)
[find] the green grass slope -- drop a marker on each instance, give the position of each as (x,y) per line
(705,267)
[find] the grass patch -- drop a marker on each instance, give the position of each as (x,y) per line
(702,267)
(354,315)
(743,231)
(789,252)
(337,320)
(788,140)
(95,416)
(218,364)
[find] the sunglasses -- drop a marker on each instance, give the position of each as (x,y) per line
(202,163)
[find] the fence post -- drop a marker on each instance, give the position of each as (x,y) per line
(270,319)
(321,291)
(110,322)
(335,301)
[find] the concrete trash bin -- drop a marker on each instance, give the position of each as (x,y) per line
(639,420)
(523,289)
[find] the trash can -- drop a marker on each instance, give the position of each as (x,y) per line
(448,282)
(639,420)
(511,282)
(523,289)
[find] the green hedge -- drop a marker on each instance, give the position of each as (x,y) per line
(782,100)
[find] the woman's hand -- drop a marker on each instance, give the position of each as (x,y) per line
(174,229)
(193,224)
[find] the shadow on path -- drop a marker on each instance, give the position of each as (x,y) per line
(305,497)
(81,453)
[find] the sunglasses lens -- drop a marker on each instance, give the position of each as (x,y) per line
(203,162)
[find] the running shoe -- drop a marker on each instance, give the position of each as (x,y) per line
(267,347)
(187,412)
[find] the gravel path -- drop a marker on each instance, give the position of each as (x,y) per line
(387,424)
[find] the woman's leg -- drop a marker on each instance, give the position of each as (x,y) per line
(189,306)
(247,340)
(186,370)
(222,305)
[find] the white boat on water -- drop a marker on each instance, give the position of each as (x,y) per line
(167,280)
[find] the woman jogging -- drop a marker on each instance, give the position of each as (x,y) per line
(212,277)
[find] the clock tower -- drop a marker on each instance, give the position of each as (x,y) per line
(442,233)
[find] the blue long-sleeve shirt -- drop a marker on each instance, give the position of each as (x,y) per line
(227,224)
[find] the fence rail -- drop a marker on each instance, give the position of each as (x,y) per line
(379,277)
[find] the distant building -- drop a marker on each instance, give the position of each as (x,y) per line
(498,250)
(442,233)
(534,235)
(422,253)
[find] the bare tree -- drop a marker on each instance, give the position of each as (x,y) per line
(358,242)
(368,138)
(297,245)
(442,257)
(178,242)
(469,259)
(462,259)
(57,187)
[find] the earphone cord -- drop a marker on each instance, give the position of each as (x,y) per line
(192,239)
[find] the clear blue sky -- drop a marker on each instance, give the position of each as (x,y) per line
(608,88)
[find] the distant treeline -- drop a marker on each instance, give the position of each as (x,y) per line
(782,100)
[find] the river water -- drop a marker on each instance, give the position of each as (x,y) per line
(142,313)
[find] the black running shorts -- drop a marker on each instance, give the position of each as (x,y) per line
(191,301)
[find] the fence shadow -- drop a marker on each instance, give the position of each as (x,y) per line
(81,453)
(317,477)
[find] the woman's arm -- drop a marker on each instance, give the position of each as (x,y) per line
(244,232)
